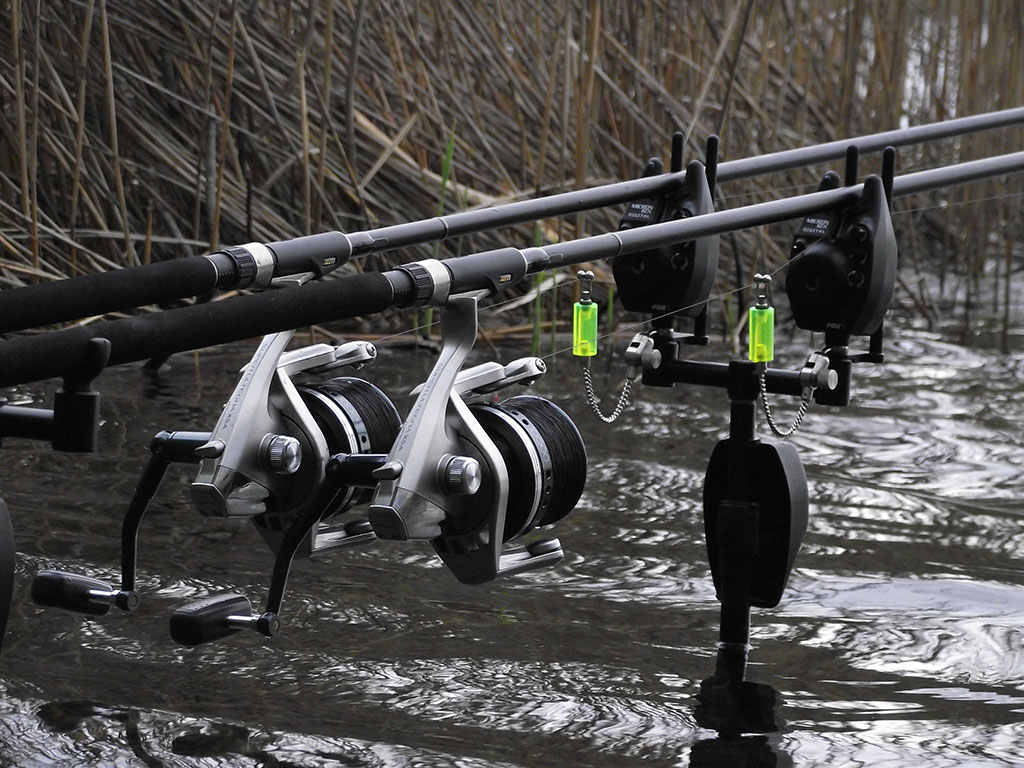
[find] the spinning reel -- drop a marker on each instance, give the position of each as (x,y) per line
(266,460)
(470,474)
(268,453)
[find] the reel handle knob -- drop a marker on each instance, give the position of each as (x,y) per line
(218,617)
(78,593)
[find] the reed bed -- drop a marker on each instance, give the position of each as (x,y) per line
(140,131)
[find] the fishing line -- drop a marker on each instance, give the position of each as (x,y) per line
(493,308)
(718,297)
(958,203)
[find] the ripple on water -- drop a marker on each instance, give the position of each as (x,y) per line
(898,642)
(947,631)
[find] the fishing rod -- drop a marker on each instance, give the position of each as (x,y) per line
(63,353)
(288,262)
(472,475)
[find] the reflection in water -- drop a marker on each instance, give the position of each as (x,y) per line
(69,716)
(743,713)
(897,643)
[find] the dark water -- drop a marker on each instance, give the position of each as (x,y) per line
(899,641)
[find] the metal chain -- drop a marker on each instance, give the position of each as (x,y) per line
(801,412)
(595,404)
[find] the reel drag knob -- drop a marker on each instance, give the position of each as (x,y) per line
(461,475)
(282,454)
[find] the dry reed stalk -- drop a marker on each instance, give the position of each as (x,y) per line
(122,203)
(222,146)
(33,142)
(76,177)
(585,101)
(546,97)
(19,104)
(350,103)
(327,63)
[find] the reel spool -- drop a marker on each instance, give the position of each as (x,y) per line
(355,417)
(545,459)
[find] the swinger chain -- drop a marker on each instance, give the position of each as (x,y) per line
(770,418)
(595,404)
(761,328)
(585,346)
(641,353)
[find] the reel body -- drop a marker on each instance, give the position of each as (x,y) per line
(266,457)
(471,475)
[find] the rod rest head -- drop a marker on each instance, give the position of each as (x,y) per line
(76,408)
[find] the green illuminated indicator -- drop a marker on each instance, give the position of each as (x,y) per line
(584,329)
(762,334)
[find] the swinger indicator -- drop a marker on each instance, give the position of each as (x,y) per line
(584,318)
(761,325)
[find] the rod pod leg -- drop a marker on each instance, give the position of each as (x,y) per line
(755,512)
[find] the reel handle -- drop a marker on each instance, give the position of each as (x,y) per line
(93,597)
(218,617)
(78,593)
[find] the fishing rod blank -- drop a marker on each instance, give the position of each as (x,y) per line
(61,353)
(614,244)
(255,265)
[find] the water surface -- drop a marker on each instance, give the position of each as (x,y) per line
(899,641)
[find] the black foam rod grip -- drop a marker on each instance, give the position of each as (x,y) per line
(32,306)
(160,334)
(318,253)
